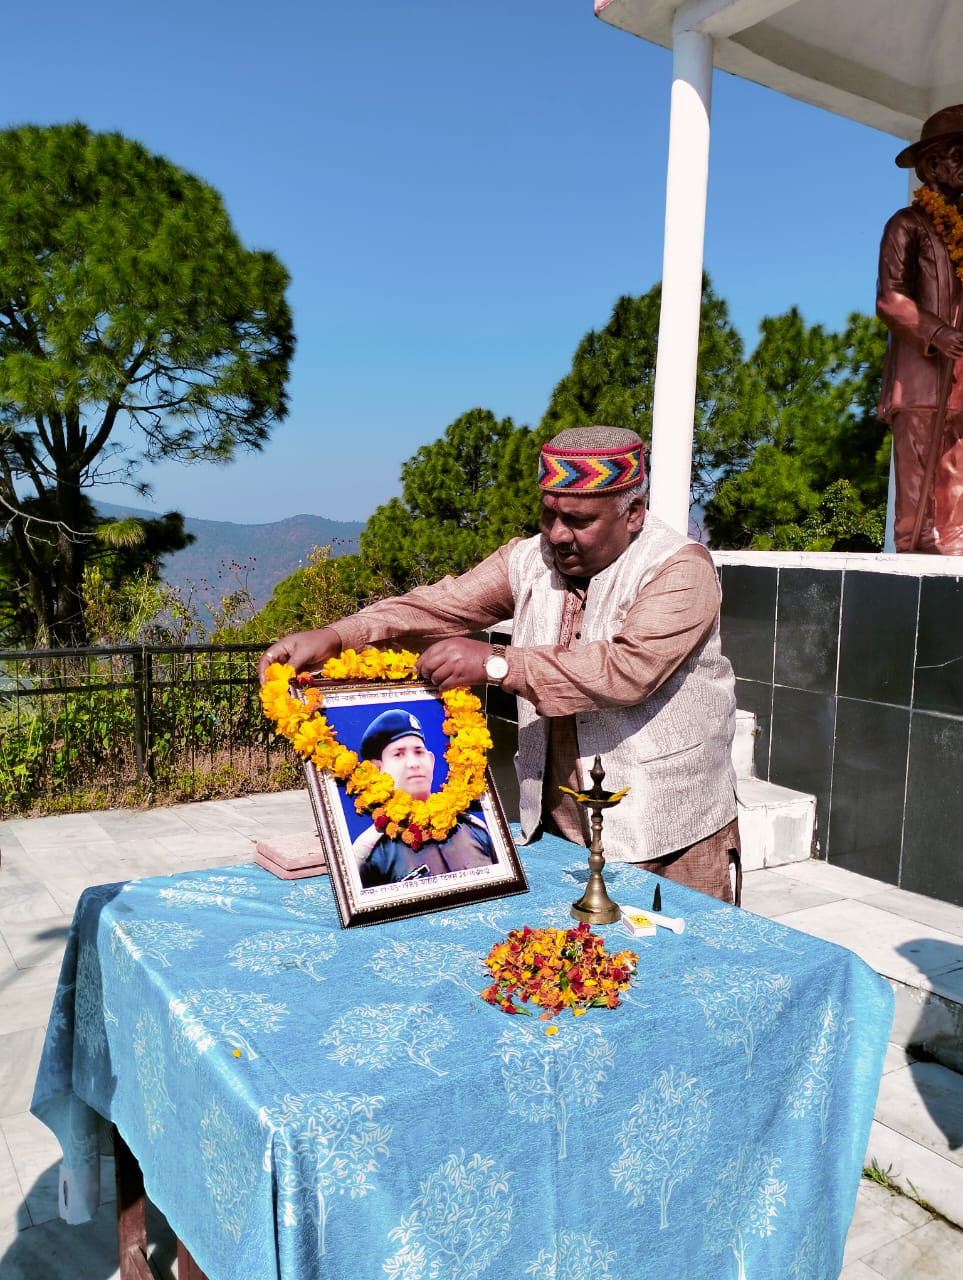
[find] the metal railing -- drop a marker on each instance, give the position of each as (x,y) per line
(88,728)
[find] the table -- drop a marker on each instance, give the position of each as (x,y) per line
(306,1101)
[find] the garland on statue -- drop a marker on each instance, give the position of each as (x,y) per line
(948,222)
(300,719)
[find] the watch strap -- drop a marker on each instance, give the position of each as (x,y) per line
(498,651)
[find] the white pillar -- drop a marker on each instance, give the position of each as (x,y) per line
(685,215)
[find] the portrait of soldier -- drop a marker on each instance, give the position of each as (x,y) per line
(395,741)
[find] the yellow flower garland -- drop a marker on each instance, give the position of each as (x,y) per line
(948,222)
(302,722)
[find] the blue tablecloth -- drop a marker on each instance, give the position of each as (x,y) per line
(310,1101)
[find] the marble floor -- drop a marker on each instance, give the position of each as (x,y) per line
(45,863)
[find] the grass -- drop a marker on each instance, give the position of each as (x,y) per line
(885,1178)
(222,776)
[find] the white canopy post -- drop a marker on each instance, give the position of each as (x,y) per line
(685,214)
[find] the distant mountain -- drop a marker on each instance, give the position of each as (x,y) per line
(271,552)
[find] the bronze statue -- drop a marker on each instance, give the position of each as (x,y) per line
(920,298)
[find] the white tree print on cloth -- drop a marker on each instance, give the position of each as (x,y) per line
(730,931)
(545,1078)
(149,1065)
(574,1256)
(811,1256)
(492,916)
(422,964)
(274,950)
(815,1059)
(81,1139)
(739,1003)
(376,1036)
(89,1011)
(624,875)
(203,1018)
(663,1139)
(744,1203)
(57,1023)
(308,901)
(324,1144)
(104,893)
(209,891)
(556,916)
(228,1172)
(458,1224)
(577,875)
(130,940)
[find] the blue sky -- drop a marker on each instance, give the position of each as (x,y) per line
(459,191)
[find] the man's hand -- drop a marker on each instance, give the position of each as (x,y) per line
(303,650)
(949,341)
(450,663)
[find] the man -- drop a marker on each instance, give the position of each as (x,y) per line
(919,298)
(615,652)
(395,741)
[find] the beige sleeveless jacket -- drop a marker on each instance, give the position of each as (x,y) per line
(673,750)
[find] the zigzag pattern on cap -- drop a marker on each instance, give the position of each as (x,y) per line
(588,460)
(589,474)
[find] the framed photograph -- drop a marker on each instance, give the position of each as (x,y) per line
(375,875)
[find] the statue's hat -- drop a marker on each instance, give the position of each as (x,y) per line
(940,127)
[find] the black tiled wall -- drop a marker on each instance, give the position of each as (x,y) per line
(856,681)
(939,654)
(801,747)
(749,603)
(877,637)
(807,629)
(868,787)
(933,821)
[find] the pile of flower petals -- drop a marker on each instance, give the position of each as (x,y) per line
(556,969)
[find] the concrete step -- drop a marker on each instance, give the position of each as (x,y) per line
(917,1132)
(916,944)
(776,824)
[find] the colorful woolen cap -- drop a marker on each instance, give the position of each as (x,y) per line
(586,461)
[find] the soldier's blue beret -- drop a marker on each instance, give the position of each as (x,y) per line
(388,727)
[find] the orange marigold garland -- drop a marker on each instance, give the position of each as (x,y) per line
(948,222)
(301,720)
(557,969)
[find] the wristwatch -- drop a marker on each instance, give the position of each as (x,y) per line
(496,666)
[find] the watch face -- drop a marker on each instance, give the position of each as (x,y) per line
(496,668)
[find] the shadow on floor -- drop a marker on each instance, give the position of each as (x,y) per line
(935,1036)
(54,1250)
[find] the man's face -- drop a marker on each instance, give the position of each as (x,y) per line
(587,534)
(409,763)
(942,167)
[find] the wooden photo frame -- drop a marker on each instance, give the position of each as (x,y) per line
(373,878)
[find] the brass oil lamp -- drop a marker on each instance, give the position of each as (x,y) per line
(595,906)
